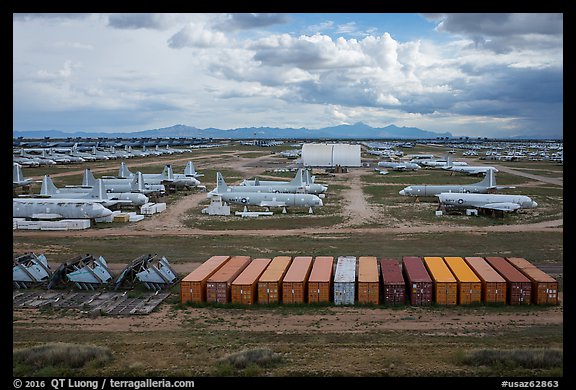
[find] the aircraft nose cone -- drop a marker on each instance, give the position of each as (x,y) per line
(534,204)
(320,203)
(402,192)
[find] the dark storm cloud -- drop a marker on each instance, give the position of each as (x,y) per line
(136,21)
(23,17)
(248,21)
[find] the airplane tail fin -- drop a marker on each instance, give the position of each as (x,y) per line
(489,180)
(221,185)
(298,179)
(256,181)
(88,179)
(124,172)
(48,187)
(167,173)
(137,184)
(189,170)
(99,191)
(449,161)
(17,173)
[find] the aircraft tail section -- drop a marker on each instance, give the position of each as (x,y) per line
(137,183)
(298,179)
(124,172)
(167,173)
(88,180)
(99,191)
(17,173)
(489,180)
(221,185)
(48,188)
(189,170)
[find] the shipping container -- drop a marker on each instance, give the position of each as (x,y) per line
(493,284)
(419,284)
(320,280)
(445,284)
(270,283)
(244,288)
(544,287)
(518,286)
(469,285)
(296,279)
(193,286)
(345,281)
(368,280)
(218,285)
(393,284)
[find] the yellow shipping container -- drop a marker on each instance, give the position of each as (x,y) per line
(469,285)
(445,284)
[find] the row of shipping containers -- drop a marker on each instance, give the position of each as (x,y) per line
(365,280)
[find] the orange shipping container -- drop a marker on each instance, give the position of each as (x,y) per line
(193,286)
(295,280)
(544,286)
(368,280)
(518,286)
(218,285)
(445,284)
(270,282)
(493,285)
(469,285)
(245,286)
(320,280)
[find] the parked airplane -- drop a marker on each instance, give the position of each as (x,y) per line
(303,179)
(297,185)
(263,199)
(470,169)
(488,184)
(190,170)
(48,189)
(50,208)
(495,202)
(18,179)
(136,184)
(181,180)
(448,162)
(399,166)
(165,177)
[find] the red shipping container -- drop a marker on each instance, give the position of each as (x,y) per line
(418,282)
(544,286)
(518,286)
(393,284)
(218,285)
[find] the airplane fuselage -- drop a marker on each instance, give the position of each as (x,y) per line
(501,202)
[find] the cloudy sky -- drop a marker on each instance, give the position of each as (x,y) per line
(494,75)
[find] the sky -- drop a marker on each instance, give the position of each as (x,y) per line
(470,74)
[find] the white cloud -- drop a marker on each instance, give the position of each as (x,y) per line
(197,35)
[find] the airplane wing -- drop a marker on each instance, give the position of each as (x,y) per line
(272,203)
(504,206)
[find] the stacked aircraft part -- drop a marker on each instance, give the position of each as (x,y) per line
(86,272)
(30,270)
(156,274)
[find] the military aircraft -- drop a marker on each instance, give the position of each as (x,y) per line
(136,184)
(297,185)
(263,199)
(50,208)
(399,166)
(493,202)
(190,170)
(18,179)
(166,177)
(302,182)
(470,169)
(48,189)
(447,162)
(180,180)
(486,185)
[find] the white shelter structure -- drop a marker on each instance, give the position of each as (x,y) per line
(331,155)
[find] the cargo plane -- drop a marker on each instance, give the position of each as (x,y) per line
(491,202)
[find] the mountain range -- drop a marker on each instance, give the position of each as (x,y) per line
(356,131)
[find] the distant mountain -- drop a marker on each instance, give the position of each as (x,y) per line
(356,131)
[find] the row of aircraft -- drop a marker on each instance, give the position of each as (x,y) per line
(299,192)
(93,197)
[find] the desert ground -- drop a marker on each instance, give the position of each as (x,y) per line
(325,340)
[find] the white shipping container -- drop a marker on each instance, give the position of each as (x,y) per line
(160,207)
(345,280)
(136,218)
(77,224)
